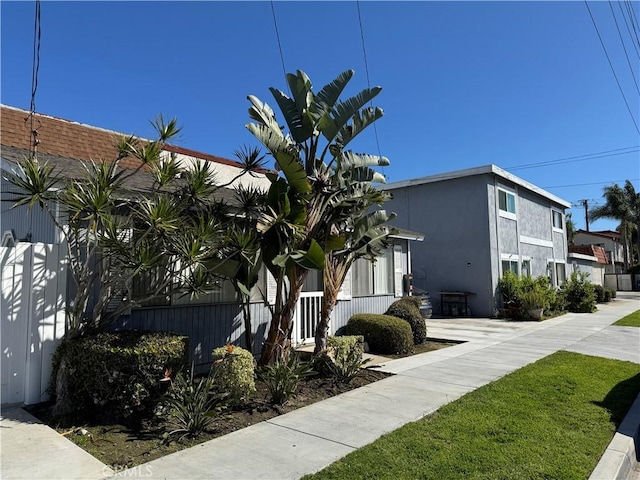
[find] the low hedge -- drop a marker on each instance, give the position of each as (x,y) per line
(117,374)
(233,368)
(383,333)
(408,309)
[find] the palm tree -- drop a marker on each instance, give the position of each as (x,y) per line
(623,204)
(322,195)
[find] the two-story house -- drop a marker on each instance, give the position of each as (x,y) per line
(479,223)
(610,240)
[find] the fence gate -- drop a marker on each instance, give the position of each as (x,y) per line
(307,316)
(32,318)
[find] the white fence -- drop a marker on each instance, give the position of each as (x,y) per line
(307,316)
(33,318)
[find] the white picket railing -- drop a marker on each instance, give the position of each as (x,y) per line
(307,316)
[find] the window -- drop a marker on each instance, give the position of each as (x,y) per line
(373,278)
(557,219)
(560,274)
(506,201)
(509,266)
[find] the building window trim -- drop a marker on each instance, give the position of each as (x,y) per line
(507,203)
(557,219)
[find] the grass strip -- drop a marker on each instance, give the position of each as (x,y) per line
(552,419)
(631,320)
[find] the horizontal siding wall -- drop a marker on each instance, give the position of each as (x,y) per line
(211,326)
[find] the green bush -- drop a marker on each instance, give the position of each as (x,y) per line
(117,373)
(579,294)
(612,292)
(233,368)
(408,309)
(383,333)
(534,299)
(344,356)
(282,378)
(599,291)
(509,287)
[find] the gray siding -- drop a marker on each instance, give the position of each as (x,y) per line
(211,326)
(32,225)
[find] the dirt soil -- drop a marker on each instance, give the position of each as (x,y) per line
(123,446)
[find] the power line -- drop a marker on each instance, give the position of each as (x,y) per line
(366,68)
(593,183)
(35,69)
(275,24)
(632,19)
(624,47)
(578,158)
(634,38)
(612,69)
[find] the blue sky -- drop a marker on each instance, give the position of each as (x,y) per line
(464,83)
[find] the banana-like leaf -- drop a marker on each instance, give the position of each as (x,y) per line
(278,198)
(343,111)
(264,114)
(312,259)
(326,98)
(273,140)
(294,171)
(298,122)
(368,222)
(350,160)
(335,242)
(365,174)
(359,122)
(300,86)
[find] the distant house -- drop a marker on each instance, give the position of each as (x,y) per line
(591,259)
(211,320)
(479,223)
(610,240)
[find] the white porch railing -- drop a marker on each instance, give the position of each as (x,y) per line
(306,317)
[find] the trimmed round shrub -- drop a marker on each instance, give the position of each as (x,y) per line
(117,374)
(233,368)
(599,291)
(408,309)
(579,294)
(383,333)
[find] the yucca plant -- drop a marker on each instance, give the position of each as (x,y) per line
(283,376)
(193,405)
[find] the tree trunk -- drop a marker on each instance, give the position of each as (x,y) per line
(279,337)
(246,313)
(322,329)
(625,246)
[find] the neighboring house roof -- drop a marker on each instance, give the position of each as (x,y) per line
(68,145)
(483,170)
(590,250)
(610,234)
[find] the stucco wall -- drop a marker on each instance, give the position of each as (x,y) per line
(455,254)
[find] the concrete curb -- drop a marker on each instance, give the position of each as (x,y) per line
(621,456)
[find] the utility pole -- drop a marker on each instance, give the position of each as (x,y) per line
(585,204)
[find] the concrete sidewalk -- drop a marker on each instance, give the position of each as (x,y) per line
(309,439)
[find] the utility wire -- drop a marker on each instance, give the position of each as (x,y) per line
(612,69)
(593,183)
(275,24)
(37,34)
(624,47)
(366,68)
(632,18)
(634,38)
(578,158)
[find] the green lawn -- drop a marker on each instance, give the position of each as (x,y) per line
(549,420)
(631,320)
